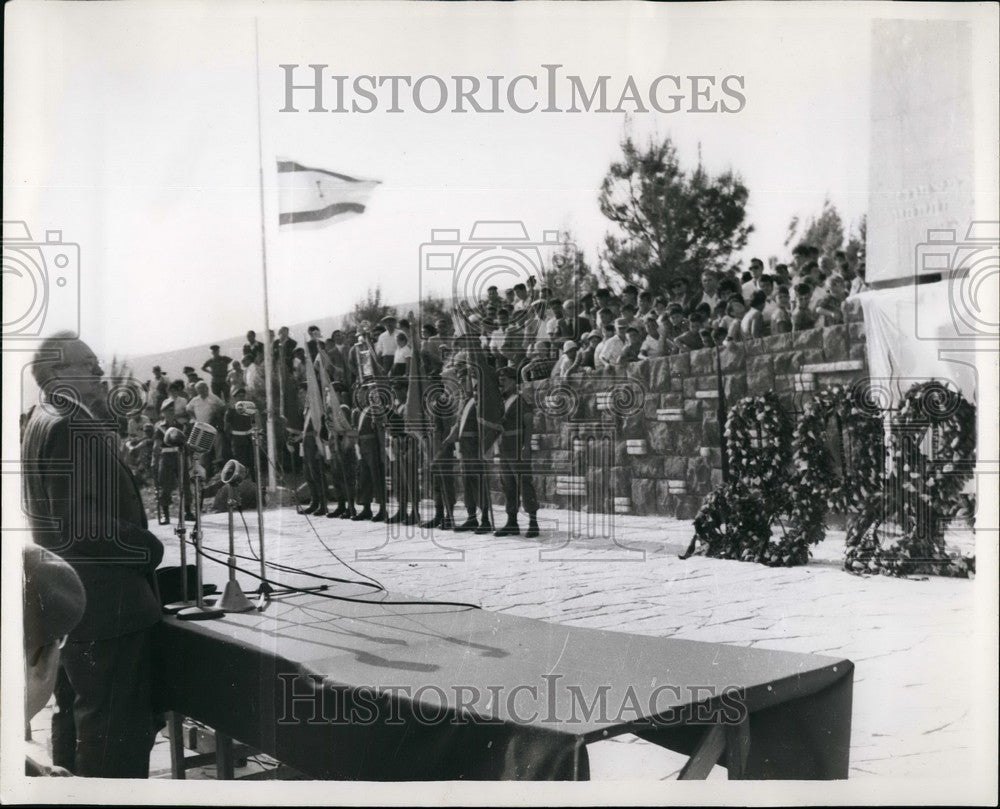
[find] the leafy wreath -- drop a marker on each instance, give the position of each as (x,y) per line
(734,522)
(819,484)
(922,488)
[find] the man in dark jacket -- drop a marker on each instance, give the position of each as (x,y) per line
(83,504)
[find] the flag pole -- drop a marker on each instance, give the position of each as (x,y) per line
(272,481)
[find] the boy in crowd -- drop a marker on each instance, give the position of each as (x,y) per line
(781,316)
(802,316)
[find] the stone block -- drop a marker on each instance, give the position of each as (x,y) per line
(619,478)
(689,386)
(777,342)
(660,438)
(735,387)
(659,373)
(857,351)
(671,400)
(784,363)
(810,338)
(703,361)
(645,466)
(639,371)
(650,406)
(710,432)
(680,364)
(662,495)
(699,476)
(707,382)
(713,456)
(692,410)
(732,358)
(835,343)
(856,332)
(675,467)
(643,495)
(687,437)
(716,478)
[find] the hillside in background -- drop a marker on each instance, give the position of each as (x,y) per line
(173,361)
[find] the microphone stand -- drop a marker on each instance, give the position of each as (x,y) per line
(264,590)
(200,611)
(233,599)
(181,532)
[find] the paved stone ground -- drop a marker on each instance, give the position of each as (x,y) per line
(914,708)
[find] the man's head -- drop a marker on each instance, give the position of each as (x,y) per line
(735,307)
(709,281)
(201,388)
(401,338)
(314,333)
(389,322)
(675,312)
(595,339)
(520,292)
(570,348)
(652,326)
(507,380)
(630,294)
(556,306)
(283,333)
(645,301)
(68,361)
(214,350)
(803,291)
(758,300)
(633,335)
(251,336)
(628,311)
(756,268)
(621,325)
(836,286)
(767,284)
(605,316)
(54,601)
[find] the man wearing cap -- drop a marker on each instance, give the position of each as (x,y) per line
(252,345)
(192,380)
(568,360)
(514,453)
(54,601)
(96,523)
(217,366)
(385,346)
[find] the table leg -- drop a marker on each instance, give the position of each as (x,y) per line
(737,749)
(705,756)
(175,727)
(224,759)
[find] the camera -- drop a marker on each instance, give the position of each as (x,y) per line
(971,269)
(41,283)
(497,253)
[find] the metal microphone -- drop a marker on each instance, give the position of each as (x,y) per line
(246,408)
(202,437)
(233,473)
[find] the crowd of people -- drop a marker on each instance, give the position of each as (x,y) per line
(526,332)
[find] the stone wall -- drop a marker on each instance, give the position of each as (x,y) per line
(646,439)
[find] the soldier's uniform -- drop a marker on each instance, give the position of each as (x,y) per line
(371,472)
(514,452)
(474,483)
(404,468)
(343,464)
(167,463)
(239,430)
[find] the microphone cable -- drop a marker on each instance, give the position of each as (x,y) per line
(210,555)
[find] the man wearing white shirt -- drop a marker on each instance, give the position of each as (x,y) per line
(751,286)
(385,346)
(609,352)
(709,291)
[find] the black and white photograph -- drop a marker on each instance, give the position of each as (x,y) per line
(500,403)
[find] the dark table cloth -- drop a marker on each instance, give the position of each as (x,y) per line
(342,690)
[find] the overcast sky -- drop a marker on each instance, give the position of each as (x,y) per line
(135,133)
